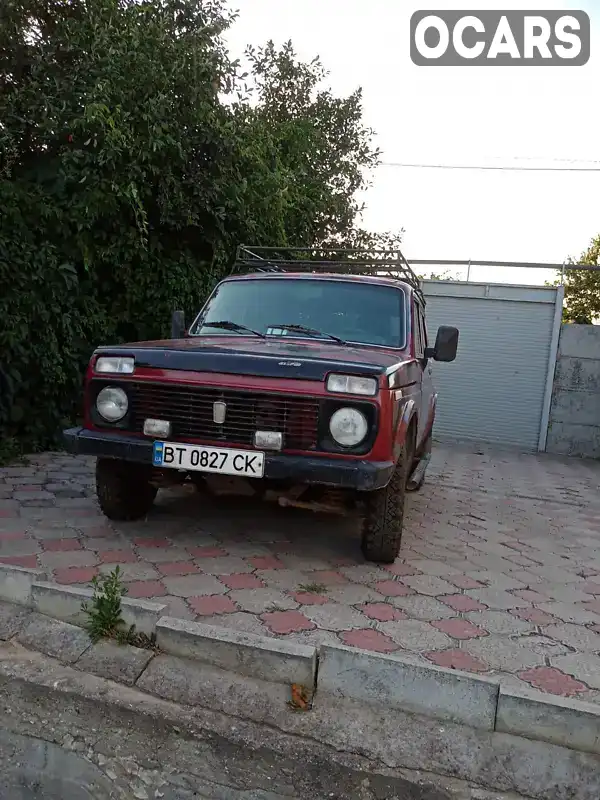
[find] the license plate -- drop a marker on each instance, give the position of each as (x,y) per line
(197,458)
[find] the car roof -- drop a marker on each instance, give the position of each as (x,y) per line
(379,280)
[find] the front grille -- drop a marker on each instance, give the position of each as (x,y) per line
(190,412)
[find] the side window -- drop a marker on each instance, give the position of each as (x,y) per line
(418,332)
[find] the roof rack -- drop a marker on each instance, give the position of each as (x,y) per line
(372,262)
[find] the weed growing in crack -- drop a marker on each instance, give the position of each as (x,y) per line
(312,588)
(104,613)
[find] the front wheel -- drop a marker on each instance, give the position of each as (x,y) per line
(384,515)
(123,490)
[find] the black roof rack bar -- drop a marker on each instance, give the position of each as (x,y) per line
(357,261)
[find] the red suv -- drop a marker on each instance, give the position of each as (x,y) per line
(306,373)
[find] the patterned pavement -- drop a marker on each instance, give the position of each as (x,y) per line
(499,571)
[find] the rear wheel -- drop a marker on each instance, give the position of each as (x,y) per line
(123,490)
(384,513)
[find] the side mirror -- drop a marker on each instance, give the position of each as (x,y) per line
(446,344)
(178,325)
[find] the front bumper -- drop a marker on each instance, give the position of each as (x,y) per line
(364,476)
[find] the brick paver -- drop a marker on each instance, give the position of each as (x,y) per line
(499,571)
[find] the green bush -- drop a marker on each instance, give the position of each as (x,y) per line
(126,180)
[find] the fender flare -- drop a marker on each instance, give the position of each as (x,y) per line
(409,412)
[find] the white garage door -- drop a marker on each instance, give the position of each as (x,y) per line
(497,390)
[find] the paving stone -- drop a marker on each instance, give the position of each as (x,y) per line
(57,639)
(393,588)
(132,572)
(459,628)
(159,555)
(258,601)
(584,667)
(440,569)
(310,598)
(286,622)
(314,638)
(497,599)
(117,557)
(353,593)
(542,644)
(462,602)
(75,575)
(429,585)
(178,607)
(534,616)
(285,579)
(209,605)
(243,581)
(207,551)
(194,585)
(456,659)
(335,617)
(178,568)
(499,622)
(382,612)
(415,635)
(368,639)
(239,621)
(117,662)
(568,612)
(420,606)
(227,565)
(574,636)
(367,573)
(145,589)
(19,547)
(495,580)
(72,558)
(503,654)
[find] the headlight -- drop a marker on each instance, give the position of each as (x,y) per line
(348,426)
(351,384)
(115,364)
(112,403)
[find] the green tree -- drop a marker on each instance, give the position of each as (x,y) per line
(582,288)
(126,180)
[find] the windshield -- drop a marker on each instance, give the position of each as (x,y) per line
(357,312)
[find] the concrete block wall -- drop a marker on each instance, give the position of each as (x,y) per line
(574,426)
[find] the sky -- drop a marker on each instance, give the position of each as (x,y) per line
(498,116)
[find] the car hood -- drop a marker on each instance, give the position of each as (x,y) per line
(272,358)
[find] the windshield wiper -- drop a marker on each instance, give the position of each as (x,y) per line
(227,325)
(308,331)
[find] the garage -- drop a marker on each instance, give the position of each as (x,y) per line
(499,388)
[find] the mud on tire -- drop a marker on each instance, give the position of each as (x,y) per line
(384,514)
(123,490)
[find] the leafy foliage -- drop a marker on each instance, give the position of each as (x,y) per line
(582,288)
(133,159)
(105,620)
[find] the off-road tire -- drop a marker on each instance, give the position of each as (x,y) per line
(384,514)
(123,490)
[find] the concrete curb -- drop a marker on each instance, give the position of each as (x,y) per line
(16,583)
(64,603)
(391,681)
(341,673)
(273,660)
(568,723)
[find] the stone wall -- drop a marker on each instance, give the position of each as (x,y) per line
(574,427)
